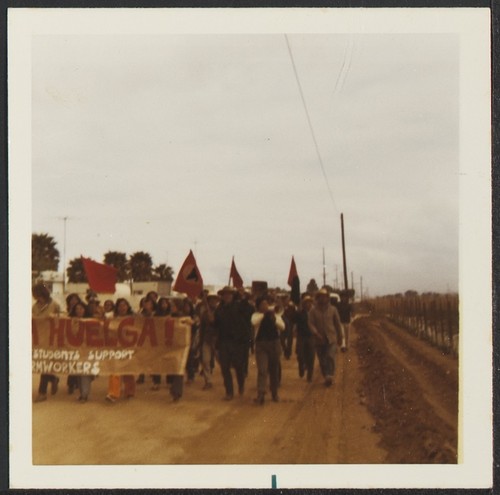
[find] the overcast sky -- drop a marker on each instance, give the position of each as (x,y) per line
(169,143)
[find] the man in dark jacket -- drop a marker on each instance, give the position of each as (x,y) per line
(232,339)
(305,339)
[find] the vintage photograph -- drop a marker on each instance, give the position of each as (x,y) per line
(248,244)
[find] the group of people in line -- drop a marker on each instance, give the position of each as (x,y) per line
(227,327)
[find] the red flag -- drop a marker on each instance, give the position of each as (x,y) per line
(102,278)
(189,279)
(294,283)
(293,273)
(233,274)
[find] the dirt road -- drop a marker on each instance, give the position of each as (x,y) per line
(411,389)
(311,424)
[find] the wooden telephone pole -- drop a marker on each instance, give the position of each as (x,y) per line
(324,272)
(346,287)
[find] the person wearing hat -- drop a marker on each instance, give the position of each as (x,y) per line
(324,322)
(232,338)
(207,336)
(267,324)
(305,348)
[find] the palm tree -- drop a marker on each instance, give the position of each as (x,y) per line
(44,254)
(119,261)
(164,272)
(141,267)
(76,272)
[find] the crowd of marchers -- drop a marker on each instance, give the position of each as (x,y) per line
(227,327)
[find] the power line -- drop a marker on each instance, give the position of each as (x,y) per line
(341,71)
(346,72)
(310,124)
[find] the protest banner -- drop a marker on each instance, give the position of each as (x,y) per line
(126,345)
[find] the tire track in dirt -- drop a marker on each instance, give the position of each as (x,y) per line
(417,421)
(421,367)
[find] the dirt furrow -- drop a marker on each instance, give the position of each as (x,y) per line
(417,421)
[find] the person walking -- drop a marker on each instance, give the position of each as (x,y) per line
(80,310)
(324,323)
(288,316)
(345,309)
(247,309)
(122,309)
(305,348)
(72,300)
(176,381)
(267,325)
(232,339)
(208,336)
(44,307)
(148,310)
(193,360)
(163,308)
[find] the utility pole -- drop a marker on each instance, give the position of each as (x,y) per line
(343,251)
(361,288)
(352,280)
(64,219)
(324,272)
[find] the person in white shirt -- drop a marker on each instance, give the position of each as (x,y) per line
(267,326)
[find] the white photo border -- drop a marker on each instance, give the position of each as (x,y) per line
(474,469)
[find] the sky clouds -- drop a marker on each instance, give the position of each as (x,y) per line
(170,143)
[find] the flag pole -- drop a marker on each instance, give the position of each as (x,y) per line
(229,280)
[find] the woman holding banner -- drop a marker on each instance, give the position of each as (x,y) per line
(122,309)
(44,307)
(163,308)
(80,310)
(71,301)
